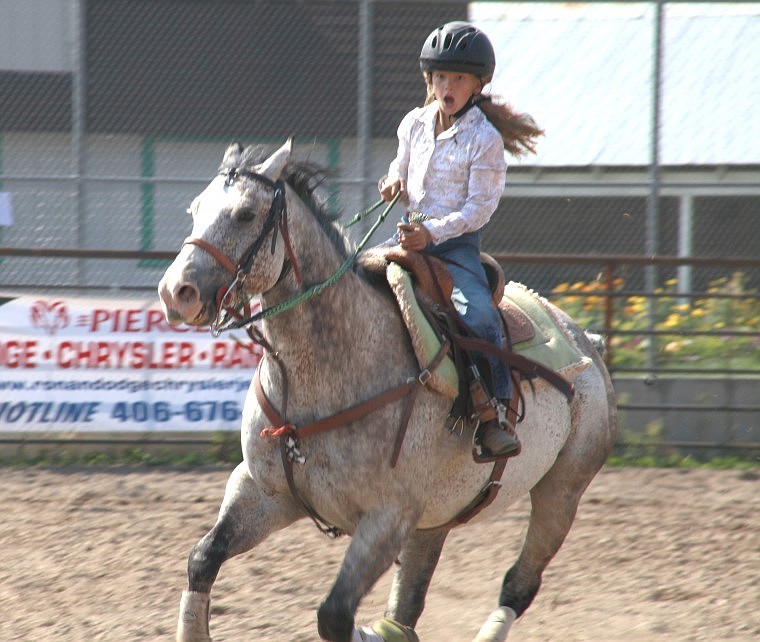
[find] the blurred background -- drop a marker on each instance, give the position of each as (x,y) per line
(115,114)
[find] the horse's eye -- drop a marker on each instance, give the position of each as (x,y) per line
(244,215)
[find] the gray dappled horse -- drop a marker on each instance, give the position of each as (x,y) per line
(329,353)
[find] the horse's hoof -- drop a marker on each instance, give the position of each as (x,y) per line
(392,631)
(193,617)
(497,626)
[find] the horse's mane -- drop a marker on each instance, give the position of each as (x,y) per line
(307,179)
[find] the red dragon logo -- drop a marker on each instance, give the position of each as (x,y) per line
(51,317)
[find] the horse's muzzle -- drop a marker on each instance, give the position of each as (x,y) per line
(181,301)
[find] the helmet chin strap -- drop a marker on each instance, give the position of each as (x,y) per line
(471,102)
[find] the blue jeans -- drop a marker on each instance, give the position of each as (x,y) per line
(473,301)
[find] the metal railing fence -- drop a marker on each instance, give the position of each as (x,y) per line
(601,311)
(724,398)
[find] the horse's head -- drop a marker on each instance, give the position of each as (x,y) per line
(233,246)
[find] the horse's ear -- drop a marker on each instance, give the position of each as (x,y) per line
(232,155)
(272,167)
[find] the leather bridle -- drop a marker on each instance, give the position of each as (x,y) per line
(231,299)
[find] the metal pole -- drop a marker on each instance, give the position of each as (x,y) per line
(652,231)
(364,98)
(608,285)
(685,241)
(78,121)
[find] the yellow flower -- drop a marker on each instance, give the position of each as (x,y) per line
(672,321)
(675,346)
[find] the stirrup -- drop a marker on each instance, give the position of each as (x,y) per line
(485,456)
(482,454)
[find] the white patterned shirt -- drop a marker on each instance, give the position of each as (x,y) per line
(457,179)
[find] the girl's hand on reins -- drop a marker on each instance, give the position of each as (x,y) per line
(389,189)
(413,236)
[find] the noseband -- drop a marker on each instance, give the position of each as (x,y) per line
(231,299)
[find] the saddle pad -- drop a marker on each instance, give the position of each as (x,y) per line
(550,346)
(444,378)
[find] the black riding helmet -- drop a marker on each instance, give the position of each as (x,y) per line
(458,46)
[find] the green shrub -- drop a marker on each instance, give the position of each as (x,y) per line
(672,314)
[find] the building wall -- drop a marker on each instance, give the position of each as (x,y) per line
(167,84)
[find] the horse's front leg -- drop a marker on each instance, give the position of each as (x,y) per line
(247,516)
(374,546)
(411,580)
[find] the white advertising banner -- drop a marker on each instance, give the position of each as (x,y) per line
(76,364)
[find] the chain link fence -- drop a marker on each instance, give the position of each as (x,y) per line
(115,114)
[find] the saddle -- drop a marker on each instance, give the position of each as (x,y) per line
(422,286)
(432,280)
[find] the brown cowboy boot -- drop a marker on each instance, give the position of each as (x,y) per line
(495,435)
(498,440)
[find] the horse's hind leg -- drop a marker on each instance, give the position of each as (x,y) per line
(411,581)
(374,546)
(246,517)
(554,502)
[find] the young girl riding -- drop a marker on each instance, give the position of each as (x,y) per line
(451,171)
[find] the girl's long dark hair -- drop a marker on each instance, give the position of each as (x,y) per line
(518,131)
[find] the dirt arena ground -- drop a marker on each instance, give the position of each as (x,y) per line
(100,554)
